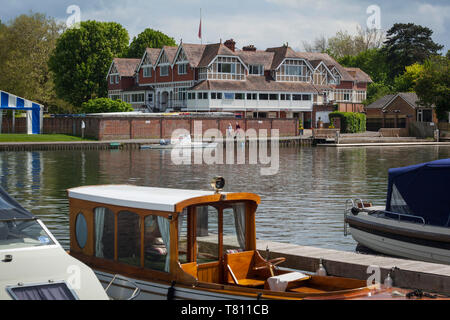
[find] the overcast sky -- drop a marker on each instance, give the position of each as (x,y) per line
(264,23)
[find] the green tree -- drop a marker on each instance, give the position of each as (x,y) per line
(407,44)
(407,81)
(371,61)
(82,57)
(27,43)
(149,38)
(433,85)
(377,90)
(101,105)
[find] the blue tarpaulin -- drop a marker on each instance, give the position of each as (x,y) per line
(425,189)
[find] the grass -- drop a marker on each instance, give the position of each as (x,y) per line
(6,137)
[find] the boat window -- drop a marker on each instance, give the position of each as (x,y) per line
(22,233)
(129,238)
(157,243)
(104,233)
(398,204)
(183,237)
(234,228)
(207,234)
(81,230)
(54,291)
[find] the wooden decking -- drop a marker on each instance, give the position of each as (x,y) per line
(407,274)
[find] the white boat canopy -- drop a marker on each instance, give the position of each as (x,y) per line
(158,199)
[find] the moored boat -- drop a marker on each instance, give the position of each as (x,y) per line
(188,244)
(415,223)
(34,266)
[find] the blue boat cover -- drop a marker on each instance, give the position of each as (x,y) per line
(425,189)
(10,209)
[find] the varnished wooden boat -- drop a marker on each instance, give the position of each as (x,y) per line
(154,243)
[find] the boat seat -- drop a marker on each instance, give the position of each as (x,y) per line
(239,270)
(306,290)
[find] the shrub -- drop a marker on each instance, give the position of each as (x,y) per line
(102,105)
(351,122)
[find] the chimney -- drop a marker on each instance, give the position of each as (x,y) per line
(230,44)
(249,48)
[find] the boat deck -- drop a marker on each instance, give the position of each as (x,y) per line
(409,274)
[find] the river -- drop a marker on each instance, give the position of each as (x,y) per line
(302,204)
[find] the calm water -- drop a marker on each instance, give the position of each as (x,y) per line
(303,204)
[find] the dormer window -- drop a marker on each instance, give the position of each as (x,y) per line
(227,68)
(182,68)
(117,79)
(147,72)
(164,71)
(256,69)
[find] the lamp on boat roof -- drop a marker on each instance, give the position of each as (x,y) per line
(218,183)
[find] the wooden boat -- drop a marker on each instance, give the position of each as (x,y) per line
(187,244)
(415,223)
(34,266)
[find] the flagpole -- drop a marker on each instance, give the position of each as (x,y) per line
(201,33)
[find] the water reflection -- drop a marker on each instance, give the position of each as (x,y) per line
(302,204)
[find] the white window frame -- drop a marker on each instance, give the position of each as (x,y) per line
(161,67)
(147,71)
(182,68)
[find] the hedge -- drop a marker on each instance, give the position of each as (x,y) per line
(102,105)
(351,122)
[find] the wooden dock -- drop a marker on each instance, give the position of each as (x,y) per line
(430,277)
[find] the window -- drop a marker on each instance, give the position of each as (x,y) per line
(52,291)
(202,95)
(294,70)
(285,97)
(239,96)
(228,96)
(81,230)
(111,79)
(147,72)
(226,68)
(297,97)
(306,97)
(256,69)
(117,79)
(207,234)
(21,234)
(164,71)
(346,96)
(157,243)
(183,238)
(252,96)
(182,68)
(129,238)
(216,95)
(273,96)
(104,233)
(234,227)
(263,96)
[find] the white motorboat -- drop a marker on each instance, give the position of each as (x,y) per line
(415,223)
(183,142)
(34,266)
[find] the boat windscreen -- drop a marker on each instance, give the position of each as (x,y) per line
(421,190)
(10,209)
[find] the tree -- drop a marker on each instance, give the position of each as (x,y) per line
(82,57)
(27,43)
(377,90)
(320,44)
(149,38)
(407,44)
(433,85)
(407,81)
(371,61)
(102,105)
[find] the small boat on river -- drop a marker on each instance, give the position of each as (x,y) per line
(34,266)
(159,243)
(182,142)
(415,223)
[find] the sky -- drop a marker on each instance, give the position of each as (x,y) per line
(263,23)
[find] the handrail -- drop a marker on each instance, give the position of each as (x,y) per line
(136,291)
(401,215)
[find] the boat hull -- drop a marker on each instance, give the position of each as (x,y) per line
(401,239)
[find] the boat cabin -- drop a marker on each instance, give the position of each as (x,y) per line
(166,234)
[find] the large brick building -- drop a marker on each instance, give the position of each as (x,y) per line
(275,83)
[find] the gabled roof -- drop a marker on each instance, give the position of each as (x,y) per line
(359,75)
(328,61)
(169,52)
(382,103)
(281,53)
(193,52)
(212,51)
(257,58)
(125,67)
(153,54)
